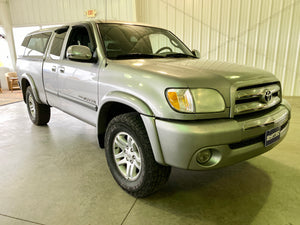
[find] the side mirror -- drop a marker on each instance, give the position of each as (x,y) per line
(196,53)
(79,53)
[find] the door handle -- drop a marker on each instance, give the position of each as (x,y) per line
(61,69)
(53,68)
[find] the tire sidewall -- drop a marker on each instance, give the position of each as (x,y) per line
(113,130)
(28,93)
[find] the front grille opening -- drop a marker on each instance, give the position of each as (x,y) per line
(254,99)
(251,99)
(240,101)
(247,142)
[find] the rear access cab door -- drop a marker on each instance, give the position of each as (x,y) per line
(51,64)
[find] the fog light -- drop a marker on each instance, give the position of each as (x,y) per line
(204,156)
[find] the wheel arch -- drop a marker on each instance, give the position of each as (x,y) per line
(26,80)
(118,103)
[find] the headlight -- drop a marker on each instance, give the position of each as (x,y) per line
(198,100)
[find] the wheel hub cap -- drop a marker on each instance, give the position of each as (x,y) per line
(127,156)
(31,105)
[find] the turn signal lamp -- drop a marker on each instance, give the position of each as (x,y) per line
(181,100)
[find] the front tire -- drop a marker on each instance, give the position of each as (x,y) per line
(39,113)
(130,158)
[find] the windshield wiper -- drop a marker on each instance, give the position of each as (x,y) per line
(138,56)
(179,55)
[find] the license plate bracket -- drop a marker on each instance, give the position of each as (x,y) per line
(271,136)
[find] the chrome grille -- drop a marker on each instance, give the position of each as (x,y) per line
(254,99)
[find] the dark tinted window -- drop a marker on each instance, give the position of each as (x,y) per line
(23,46)
(79,36)
(25,41)
(122,41)
(57,44)
(37,44)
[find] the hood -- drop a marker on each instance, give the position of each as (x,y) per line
(201,73)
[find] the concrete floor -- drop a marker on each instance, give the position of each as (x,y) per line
(58,175)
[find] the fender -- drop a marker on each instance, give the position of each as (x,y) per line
(26,77)
(146,114)
(126,99)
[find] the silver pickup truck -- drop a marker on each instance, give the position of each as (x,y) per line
(154,103)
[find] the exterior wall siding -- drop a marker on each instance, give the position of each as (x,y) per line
(259,33)
(48,12)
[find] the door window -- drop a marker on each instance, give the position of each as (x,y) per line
(57,43)
(80,36)
(37,44)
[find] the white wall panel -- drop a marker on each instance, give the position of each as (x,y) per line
(259,33)
(43,12)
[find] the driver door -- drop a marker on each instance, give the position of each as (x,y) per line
(78,79)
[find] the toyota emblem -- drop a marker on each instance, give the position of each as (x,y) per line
(268,96)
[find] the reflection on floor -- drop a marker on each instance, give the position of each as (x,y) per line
(57,175)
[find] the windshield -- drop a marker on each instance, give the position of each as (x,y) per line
(123,41)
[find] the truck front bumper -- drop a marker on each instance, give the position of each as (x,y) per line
(229,140)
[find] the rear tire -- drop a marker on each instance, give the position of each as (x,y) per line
(130,158)
(39,113)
